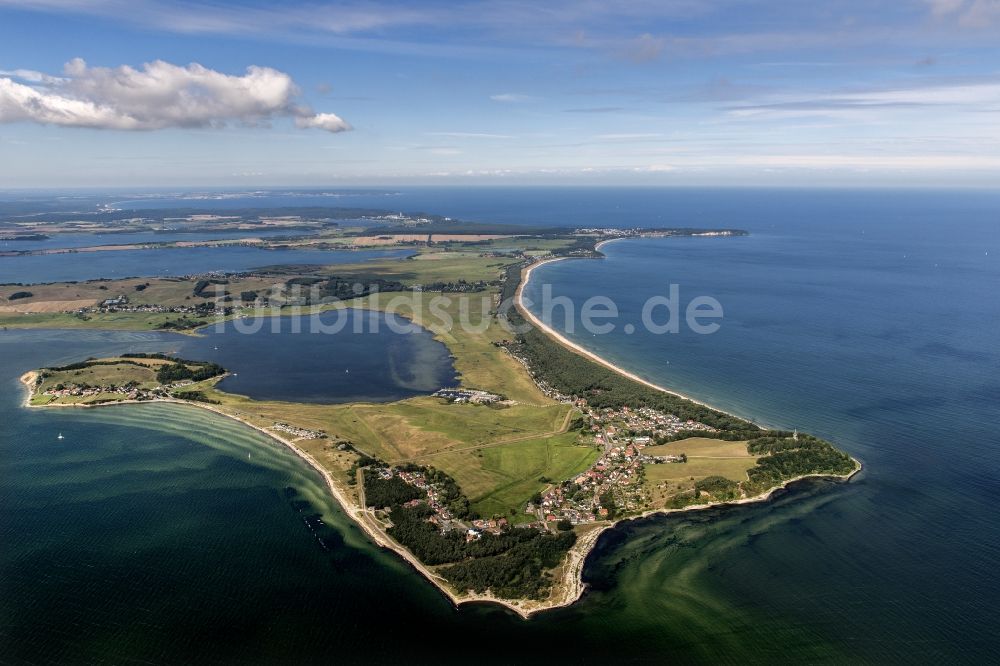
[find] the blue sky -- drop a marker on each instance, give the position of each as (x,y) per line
(675,92)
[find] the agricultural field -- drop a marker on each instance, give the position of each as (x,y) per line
(499,454)
(705,457)
(428,266)
(501,479)
(125,321)
(49,304)
(68,296)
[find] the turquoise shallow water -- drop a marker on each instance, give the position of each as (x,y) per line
(148,536)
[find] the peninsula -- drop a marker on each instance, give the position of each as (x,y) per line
(495,490)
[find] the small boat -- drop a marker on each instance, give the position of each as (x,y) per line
(60,436)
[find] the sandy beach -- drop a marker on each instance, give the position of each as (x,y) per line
(361,515)
(570,587)
(569,344)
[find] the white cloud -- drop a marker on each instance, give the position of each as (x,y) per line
(157,96)
(510,97)
(325,121)
(877,104)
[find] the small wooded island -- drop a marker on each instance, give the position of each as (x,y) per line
(495,490)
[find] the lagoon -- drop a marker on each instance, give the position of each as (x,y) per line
(333,357)
(116,264)
(70,240)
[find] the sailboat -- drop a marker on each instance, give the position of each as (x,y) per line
(60,436)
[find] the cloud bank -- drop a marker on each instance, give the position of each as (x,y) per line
(160,95)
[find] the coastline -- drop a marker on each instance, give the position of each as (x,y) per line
(574,347)
(583,548)
(571,587)
(358,514)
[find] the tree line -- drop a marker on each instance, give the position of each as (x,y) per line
(572,374)
(512,564)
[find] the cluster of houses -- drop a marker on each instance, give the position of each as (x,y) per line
(115,305)
(491,525)
(130,391)
(442,516)
(608,232)
(623,434)
(401,218)
(616,478)
(295,431)
(115,302)
(608,425)
(472,396)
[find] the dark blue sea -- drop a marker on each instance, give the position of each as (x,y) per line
(867,317)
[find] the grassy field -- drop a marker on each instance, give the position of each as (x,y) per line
(497,454)
(429,265)
(410,429)
(501,479)
(125,321)
(705,457)
(121,372)
(508,242)
(52,305)
(700,447)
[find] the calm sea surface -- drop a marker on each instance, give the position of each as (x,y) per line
(869,318)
